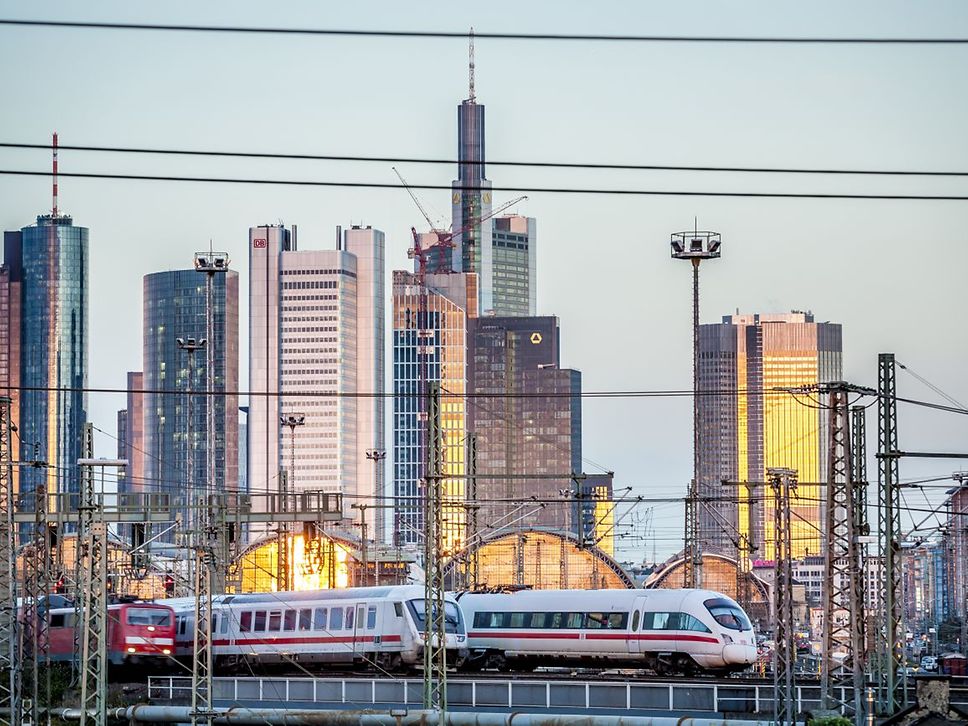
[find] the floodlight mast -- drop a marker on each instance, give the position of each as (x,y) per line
(694,246)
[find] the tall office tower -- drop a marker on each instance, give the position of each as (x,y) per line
(54,348)
(526,413)
(175,307)
(11,275)
(747,426)
(316,337)
(131,437)
(471,199)
(514,238)
(430,320)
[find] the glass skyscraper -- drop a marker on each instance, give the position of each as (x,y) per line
(54,349)
(175,307)
(430,345)
(514,263)
(747,426)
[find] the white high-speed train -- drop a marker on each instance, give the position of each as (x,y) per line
(381,626)
(668,631)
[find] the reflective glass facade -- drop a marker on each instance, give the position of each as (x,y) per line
(748,426)
(526,414)
(175,307)
(514,258)
(54,352)
(10,312)
(430,344)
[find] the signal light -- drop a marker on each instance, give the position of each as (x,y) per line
(169,584)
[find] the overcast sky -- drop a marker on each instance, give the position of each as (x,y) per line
(892,272)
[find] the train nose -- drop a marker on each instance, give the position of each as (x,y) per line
(739,654)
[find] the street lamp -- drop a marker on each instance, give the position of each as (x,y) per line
(284,575)
(694,246)
(377,456)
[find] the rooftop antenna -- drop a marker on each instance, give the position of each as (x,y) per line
(471,56)
(54,147)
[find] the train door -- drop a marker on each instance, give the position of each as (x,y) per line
(359,625)
(635,624)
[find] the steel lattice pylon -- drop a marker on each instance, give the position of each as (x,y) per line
(858,428)
(435,643)
(34,631)
(843,622)
(9,665)
(891,691)
(783,482)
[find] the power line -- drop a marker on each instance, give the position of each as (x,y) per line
(527,189)
(489,162)
(445,34)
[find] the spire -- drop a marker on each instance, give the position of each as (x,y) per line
(471,73)
(54,147)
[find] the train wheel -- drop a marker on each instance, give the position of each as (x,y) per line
(496,661)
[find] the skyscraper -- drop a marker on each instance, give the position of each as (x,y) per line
(175,307)
(316,337)
(430,319)
(131,437)
(53,269)
(748,426)
(525,411)
(513,238)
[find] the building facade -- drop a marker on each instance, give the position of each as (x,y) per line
(54,328)
(316,340)
(525,412)
(430,321)
(11,276)
(747,426)
(131,437)
(514,241)
(175,404)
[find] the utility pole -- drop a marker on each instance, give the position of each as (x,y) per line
(93,593)
(892,690)
(209,538)
(194,514)
(959,527)
(858,428)
(783,482)
(288,482)
(694,246)
(9,662)
(377,456)
(472,545)
(36,621)
(435,644)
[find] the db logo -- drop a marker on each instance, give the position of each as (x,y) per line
(258,243)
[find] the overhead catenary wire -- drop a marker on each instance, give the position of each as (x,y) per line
(525,189)
(465,35)
(357,158)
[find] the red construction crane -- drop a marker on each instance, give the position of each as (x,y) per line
(445,238)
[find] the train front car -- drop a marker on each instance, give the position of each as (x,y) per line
(141,634)
(667,631)
(455,628)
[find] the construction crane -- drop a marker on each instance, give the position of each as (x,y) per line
(445,238)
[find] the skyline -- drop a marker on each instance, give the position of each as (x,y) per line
(634,277)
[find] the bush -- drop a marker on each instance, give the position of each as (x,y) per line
(830,721)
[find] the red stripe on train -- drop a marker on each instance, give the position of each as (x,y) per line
(590,636)
(306,641)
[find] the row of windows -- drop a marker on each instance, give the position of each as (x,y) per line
(589,621)
(328,619)
(331,271)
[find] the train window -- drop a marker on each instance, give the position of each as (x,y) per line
(245,622)
(398,609)
(727,614)
(275,621)
(517,620)
(148,616)
(371,617)
(480,620)
(320,622)
(214,622)
(635,621)
(349,618)
(540,620)
(688,622)
(259,622)
(617,621)
(573,620)
(499,620)
(660,621)
(223,621)
(336,619)
(57,620)
(306,619)
(289,620)
(593,621)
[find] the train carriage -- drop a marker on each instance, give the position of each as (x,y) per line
(375,626)
(141,634)
(668,631)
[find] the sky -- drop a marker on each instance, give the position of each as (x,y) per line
(891,272)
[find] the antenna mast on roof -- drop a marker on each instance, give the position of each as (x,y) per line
(471,57)
(54,147)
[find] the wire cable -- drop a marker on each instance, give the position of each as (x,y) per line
(526,189)
(463,35)
(489,162)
